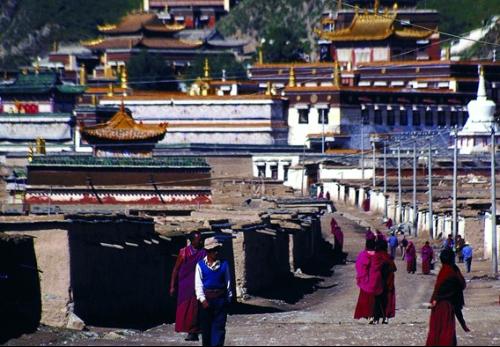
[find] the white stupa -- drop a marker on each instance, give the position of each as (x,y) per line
(475,137)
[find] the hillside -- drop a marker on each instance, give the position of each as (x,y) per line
(253,18)
(29,27)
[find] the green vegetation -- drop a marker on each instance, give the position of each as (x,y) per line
(29,27)
(461,16)
(150,72)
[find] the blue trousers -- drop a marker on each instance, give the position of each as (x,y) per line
(213,322)
(393,252)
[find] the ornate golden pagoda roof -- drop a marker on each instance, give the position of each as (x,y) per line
(137,22)
(153,43)
(122,127)
(374,27)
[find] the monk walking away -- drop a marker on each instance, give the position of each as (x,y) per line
(213,291)
(385,303)
(411,258)
(182,284)
(427,256)
(369,281)
(447,303)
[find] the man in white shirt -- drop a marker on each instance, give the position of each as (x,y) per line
(213,291)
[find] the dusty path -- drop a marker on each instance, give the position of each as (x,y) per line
(325,316)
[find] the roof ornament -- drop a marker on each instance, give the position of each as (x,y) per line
(395,8)
(376,7)
(292,81)
(481,91)
(206,70)
(83,75)
(124,80)
(261,55)
(336,75)
(356,10)
(111,90)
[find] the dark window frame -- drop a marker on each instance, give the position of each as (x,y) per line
(323,116)
(304,115)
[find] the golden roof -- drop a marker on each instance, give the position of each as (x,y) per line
(122,127)
(152,43)
(374,27)
(134,23)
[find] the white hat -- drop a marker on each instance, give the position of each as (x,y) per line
(212,243)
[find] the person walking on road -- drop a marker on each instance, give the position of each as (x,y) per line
(385,304)
(411,258)
(447,303)
(213,291)
(403,244)
(467,255)
(427,257)
(393,243)
(182,284)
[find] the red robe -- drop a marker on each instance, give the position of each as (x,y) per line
(427,255)
(388,275)
(369,280)
(448,293)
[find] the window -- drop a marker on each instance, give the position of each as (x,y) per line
(378,117)
(323,116)
(454,118)
(365,116)
(417,121)
(304,116)
(429,118)
(285,172)
(465,118)
(441,118)
(391,118)
(403,117)
(262,170)
(274,172)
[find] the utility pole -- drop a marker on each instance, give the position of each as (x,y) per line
(400,188)
(494,245)
(431,212)
(415,212)
(385,180)
(374,166)
(455,184)
(362,148)
(323,111)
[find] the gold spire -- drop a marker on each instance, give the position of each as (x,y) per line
(292,82)
(336,75)
(481,70)
(206,70)
(376,7)
(111,90)
(83,75)
(269,90)
(261,55)
(395,8)
(124,80)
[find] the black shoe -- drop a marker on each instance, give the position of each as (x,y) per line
(192,337)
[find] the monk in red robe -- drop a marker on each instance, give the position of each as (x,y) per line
(369,281)
(411,258)
(385,304)
(182,283)
(447,303)
(427,256)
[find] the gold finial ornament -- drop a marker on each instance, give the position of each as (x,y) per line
(124,80)
(206,70)
(481,70)
(269,89)
(261,55)
(292,82)
(111,90)
(395,8)
(41,146)
(336,75)
(83,75)
(376,7)
(356,10)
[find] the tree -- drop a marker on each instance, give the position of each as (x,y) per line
(283,44)
(150,71)
(217,63)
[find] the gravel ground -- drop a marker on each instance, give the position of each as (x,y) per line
(322,317)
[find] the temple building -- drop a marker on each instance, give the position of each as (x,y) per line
(476,137)
(193,14)
(356,36)
(121,170)
(37,105)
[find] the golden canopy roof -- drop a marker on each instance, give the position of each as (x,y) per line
(374,27)
(122,127)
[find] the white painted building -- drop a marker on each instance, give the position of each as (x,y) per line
(213,119)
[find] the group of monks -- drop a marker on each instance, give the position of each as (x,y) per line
(375,278)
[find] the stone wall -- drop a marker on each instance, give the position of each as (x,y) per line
(20,300)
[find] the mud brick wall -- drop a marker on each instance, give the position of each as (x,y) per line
(20,301)
(261,259)
(120,272)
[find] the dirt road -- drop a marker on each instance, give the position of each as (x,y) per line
(322,317)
